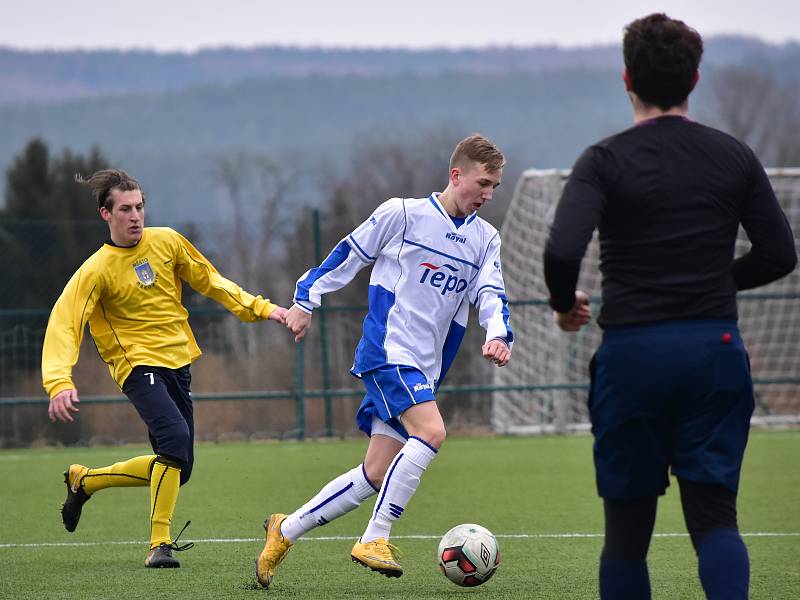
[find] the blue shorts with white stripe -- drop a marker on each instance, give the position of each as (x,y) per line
(391,390)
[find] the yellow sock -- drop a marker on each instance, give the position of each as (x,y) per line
(165,483)
(129,473)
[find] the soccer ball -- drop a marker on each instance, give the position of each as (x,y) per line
(468,555)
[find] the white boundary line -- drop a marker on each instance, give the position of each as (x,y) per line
(336,538)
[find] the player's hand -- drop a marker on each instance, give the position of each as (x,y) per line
(62,404)
(497,352)
(578,316)
(278,314)
(298,321)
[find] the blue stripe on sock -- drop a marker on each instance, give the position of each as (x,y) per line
(386,483)
(413,437)
(334,496)
(367,479)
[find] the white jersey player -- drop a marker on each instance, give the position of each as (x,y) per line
(431,258)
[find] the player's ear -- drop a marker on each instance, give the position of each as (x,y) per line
(627,79)
(105,214)
(695,79)
(455,174)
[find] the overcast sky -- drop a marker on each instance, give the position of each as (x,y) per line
(184,25)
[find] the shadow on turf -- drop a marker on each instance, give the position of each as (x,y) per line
(250,585)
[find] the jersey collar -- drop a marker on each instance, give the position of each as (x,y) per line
(434,200)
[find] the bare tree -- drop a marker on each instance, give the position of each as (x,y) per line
(382,168)
(761,111)
(257,190)
(786,145)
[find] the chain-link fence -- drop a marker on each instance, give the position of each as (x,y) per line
(252,382)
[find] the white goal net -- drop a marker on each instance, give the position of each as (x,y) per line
(544,388)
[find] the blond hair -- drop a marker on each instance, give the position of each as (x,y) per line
(477,149)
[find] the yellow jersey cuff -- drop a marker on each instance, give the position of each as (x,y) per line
(60,387)
(269,307)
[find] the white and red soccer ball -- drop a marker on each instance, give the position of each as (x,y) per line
(468,555)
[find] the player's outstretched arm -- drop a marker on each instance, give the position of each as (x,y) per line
(62,404)
(497,352)
(298,321)
(578,316)
(196,270)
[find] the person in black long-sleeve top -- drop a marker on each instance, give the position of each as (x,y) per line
(670,382)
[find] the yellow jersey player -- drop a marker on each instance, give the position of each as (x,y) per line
(129,292)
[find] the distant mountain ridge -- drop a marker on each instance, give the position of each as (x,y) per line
(46,77)
(171,139)
(170,118)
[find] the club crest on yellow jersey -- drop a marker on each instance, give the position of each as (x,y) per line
(144,272)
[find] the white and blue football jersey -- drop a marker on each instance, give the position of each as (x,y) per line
(425,269)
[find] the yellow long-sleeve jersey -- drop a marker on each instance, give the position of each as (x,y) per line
(131,298)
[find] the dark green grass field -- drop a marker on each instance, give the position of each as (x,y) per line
(536,494)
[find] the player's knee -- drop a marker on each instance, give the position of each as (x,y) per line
(176,440)
(707,506)
(433,435)
(186,473)
(181,436)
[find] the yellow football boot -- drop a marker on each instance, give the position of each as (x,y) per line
(274,551)
(378,555)
(76,496)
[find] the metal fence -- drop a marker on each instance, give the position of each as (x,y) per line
(264,387)
(277,388)
(254,382)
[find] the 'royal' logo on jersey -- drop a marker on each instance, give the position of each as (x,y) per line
(418,387)
(447,282)
(455,237)
(144,272)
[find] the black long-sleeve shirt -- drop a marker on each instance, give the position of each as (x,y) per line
(668,196)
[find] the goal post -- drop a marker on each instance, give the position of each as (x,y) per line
(549,374)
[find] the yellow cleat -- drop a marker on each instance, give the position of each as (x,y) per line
(74,476)
(274,551)
(76,497)
(378,555)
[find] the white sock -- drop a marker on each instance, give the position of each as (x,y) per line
(399,484)
(337,498)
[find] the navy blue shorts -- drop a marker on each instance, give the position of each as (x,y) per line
(163,399)
(391,390)
(675,394)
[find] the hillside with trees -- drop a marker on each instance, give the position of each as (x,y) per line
(171,119)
